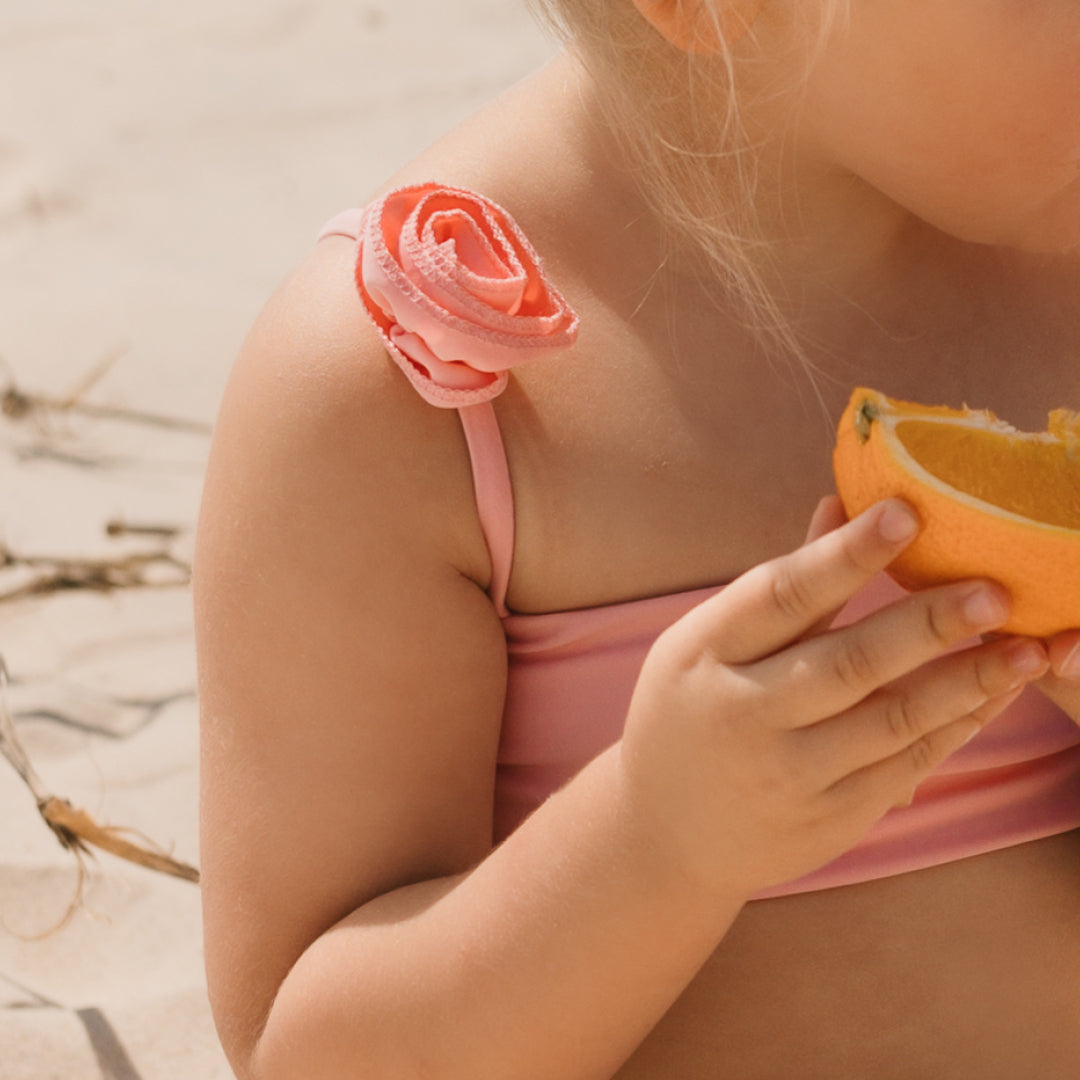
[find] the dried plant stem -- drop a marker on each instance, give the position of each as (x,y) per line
(54,574)
(75,829)
(119,527)
(18,404)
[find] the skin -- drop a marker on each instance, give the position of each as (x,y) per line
(352,668)
(965,114)
(938,112)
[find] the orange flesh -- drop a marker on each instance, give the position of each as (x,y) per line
(1037,479)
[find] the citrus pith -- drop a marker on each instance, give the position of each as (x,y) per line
(993,501)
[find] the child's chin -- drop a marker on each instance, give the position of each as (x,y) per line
(1057,234)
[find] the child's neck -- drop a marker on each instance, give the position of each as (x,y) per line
(879,296)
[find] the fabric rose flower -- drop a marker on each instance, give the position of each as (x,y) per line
(457,292)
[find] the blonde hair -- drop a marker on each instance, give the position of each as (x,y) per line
(678,118)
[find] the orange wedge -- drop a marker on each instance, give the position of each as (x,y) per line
(994,502)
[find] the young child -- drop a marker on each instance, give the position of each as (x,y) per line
(531,745)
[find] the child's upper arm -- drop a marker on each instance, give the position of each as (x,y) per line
(351,670)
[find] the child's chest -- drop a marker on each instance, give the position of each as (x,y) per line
(619,497)
(637,477)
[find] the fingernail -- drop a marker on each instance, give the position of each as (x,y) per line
(897,523)
(1069,668)
(985,607)
(1027,658)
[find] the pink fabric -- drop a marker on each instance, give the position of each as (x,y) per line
(494,495)
(431,258)
(457,292)
(572,674)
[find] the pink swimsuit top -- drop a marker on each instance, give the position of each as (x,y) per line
(571,673)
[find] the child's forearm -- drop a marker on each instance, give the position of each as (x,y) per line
(553,958)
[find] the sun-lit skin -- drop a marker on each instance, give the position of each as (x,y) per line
(962,117)
(965,114)
(353,677)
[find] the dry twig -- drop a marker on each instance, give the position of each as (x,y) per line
(53,574)
(119,527)
(74,828)
(19,404)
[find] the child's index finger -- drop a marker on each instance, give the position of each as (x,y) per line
(778,602)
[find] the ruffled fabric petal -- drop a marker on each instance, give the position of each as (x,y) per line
(457,292)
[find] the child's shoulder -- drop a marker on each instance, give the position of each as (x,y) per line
(316,416)
(316,389)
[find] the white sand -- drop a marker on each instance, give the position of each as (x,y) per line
(161,167)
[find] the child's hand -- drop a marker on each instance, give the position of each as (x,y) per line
(1062,683)
(760,744)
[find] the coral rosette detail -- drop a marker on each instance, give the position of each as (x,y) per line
(457,292)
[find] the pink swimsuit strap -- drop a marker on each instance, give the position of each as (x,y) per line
(487,454)
(493,492)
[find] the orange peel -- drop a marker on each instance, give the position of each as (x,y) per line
(994,502)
